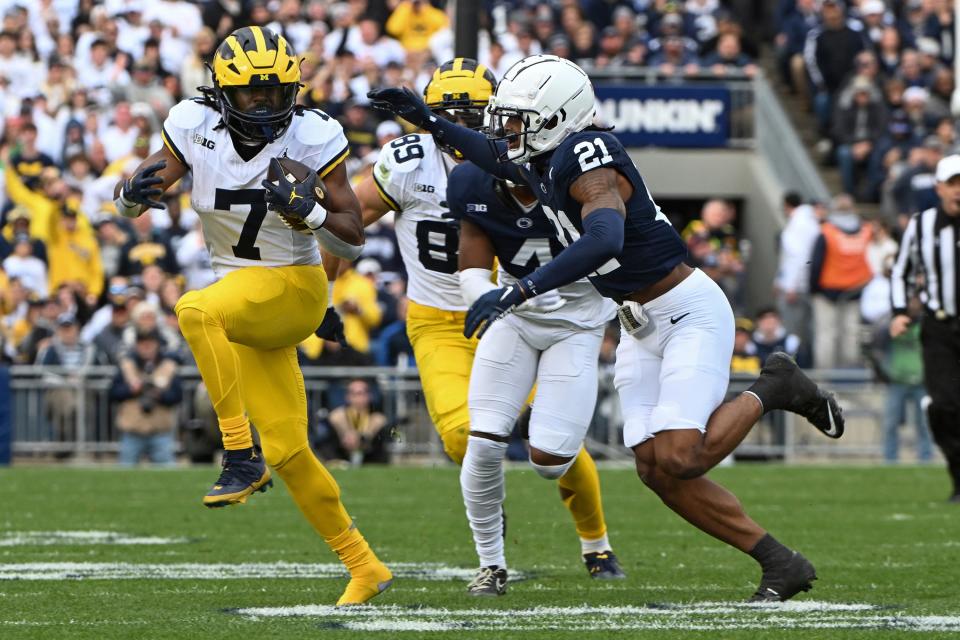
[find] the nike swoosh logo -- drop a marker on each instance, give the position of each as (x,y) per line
(832,431)
(676,319)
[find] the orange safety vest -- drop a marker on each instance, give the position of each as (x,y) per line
(845,264)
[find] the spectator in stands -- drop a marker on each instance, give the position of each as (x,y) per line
(23,265)
(413,22)
(673,58)
(75,255)
(40,325)
(194,259)
(728,58)
(355,297)
(838,273)
(65,350)
(855,125)
(790,42)
(898,362)
(27,160)
(745,360)
(362,432)
(915,189)
(792,282)
(829,55)
(109,342)
(148,392)
(770,336)
(713,245)
(150,246)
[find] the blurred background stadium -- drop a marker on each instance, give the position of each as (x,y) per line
(752,121)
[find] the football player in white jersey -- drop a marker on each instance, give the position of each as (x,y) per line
(271,291)
(410,178)
(554,342)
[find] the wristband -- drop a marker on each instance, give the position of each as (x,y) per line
(316,217)
(126,208)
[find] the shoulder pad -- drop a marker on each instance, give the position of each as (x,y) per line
(399,155)
(315,127)
(188,114)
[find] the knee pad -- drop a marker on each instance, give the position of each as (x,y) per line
(455,443)
(278,451)
(553,471)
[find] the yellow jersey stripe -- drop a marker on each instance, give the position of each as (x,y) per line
(173,148)
(337,159)
(384,195)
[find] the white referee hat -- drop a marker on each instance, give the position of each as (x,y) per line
(948,167)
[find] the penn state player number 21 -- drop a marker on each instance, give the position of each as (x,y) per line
(592,154)
(224,199)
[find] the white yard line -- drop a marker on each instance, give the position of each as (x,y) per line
(223,571)
(66,538)
(802,614)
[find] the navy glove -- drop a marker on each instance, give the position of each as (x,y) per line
(404,103)
(141,187)
(492,305)
(293,199)
(331,328)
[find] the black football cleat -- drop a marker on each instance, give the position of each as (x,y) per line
(489,581)
(781,584)
(789,388)
(244,472)
(603,566)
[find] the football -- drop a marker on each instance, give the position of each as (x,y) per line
(294,171)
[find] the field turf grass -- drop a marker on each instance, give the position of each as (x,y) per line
(885,543)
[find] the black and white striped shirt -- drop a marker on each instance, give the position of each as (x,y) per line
(927,264)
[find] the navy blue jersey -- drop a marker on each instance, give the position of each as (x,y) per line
(522,239)
(651,247)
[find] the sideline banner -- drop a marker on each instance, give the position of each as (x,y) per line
(666,116)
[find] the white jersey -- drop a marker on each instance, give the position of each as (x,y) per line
(411,175)
(237,228)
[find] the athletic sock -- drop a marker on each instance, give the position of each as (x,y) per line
(482,484)
(595,546)
(770,553)
(236,433)
(580,492)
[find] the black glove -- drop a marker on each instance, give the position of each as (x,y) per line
(290,198)
(142,186)
(404,103)
(331,328)
(492,305)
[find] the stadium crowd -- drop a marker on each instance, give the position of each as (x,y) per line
(85,87)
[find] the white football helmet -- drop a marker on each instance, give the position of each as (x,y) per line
(551,96)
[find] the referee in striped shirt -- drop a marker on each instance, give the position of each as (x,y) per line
(928,265)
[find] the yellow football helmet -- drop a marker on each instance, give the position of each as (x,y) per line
(256,77)
(459,91)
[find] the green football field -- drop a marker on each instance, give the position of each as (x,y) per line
(106,553)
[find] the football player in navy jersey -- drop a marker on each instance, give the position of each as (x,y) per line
(673,360)
(552,341)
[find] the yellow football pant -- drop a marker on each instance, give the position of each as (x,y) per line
(243,332)
(444,360)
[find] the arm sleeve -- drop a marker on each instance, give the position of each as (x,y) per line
(602,239)
(903,268)
(476,147)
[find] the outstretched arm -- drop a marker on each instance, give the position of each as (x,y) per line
(475,146)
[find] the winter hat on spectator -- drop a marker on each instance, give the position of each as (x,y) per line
(928,47)
(389,128)
(948,167)
(66,320)
(149,334)
(915,94)
(872,7)
(368,267)
(19,212)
